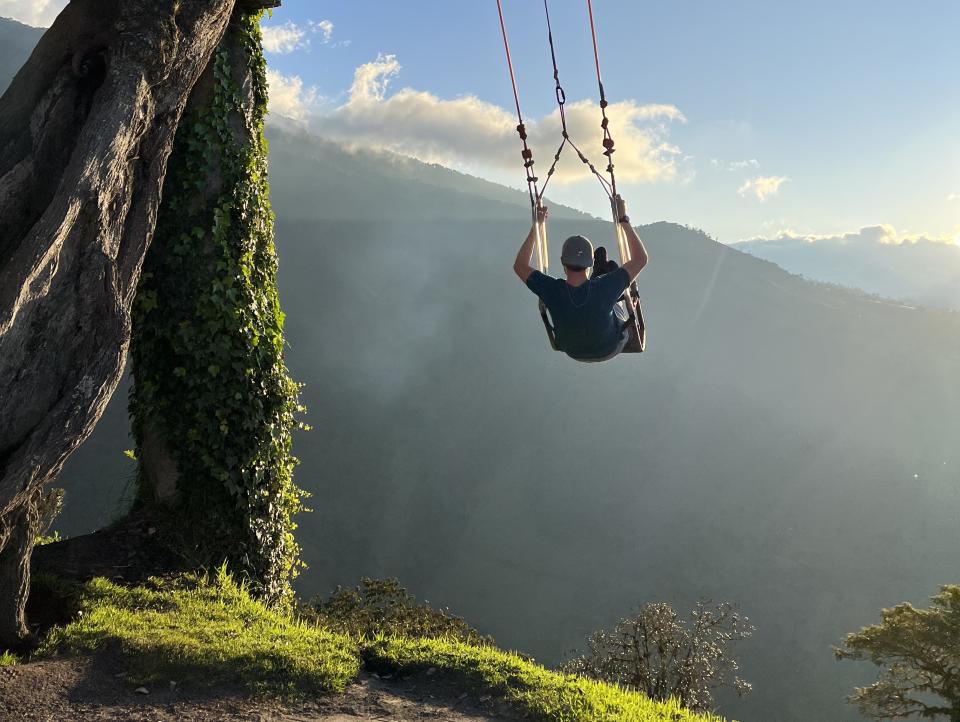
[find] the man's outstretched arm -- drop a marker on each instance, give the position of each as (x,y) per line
(638,252)
(521,265)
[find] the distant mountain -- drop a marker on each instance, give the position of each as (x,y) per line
(924,272)
(783,444)
(16,43)
(365,184)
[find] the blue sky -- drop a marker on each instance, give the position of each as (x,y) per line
(743,118)
(855,103)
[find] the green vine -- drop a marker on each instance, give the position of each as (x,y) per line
(207,347)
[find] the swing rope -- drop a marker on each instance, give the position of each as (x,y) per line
(608,148)
(536,192)
(527,155)
(631,296)
(608,144)
(561,102)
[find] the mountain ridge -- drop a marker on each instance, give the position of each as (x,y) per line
(347,199)
(17,41)
(925,272)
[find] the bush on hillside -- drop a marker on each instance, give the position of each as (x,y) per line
(382,607)
(665,657)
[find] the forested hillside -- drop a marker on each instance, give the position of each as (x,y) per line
(782,444)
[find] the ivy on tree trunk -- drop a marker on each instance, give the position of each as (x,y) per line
(212,405)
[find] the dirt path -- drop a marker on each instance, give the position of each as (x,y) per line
(88,689)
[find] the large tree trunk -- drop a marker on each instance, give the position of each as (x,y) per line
(212,404)
(86,128)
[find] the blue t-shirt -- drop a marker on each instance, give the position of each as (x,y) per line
(583,315)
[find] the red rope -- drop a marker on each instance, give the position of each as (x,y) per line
(527,153)
(596,54)
(506,46)
(605,124)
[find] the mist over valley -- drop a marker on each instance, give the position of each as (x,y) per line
(782,444)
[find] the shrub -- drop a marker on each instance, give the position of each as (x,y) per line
(657,653)
(382,607)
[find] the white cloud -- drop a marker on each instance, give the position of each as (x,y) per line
(879,235)
(284,38)
(743,164)
(469,132)
(953,197)
(324,27)
(287,38)
(289,98)
(762,187)
(39,13)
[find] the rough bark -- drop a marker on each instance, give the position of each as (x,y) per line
(86,128)
(32,519)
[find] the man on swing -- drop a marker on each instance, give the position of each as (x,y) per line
(590,324)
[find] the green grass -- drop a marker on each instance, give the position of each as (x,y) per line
(544,694)
(201,632)
(205,632)
(48,539)
(7,659)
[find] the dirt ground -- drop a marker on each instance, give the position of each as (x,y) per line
(93,689)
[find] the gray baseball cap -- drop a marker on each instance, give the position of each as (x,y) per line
(577,252)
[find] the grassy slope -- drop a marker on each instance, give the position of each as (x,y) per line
(546,694)
(213,632)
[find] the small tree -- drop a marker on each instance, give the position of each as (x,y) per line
(918,651)
(663,656)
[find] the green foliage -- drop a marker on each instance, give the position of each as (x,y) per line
(204,632)
(48,539)
(918,651)
(208,342)
(544,694)
(381,607)
(665,657)
(8,659)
